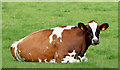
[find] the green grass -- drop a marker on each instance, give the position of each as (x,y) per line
(21,19)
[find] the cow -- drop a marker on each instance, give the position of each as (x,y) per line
(63,44)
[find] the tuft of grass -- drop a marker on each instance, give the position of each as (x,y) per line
(21,19)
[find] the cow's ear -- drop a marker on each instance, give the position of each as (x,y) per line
(82,26)
(104,26)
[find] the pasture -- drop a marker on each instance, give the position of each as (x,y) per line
(21,19)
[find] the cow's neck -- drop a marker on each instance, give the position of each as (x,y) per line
(88,43)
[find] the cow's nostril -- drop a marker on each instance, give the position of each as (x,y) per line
(96,41)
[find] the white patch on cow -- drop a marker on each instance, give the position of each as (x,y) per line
(60,40)
(83,58)
(72,54)
(70,58)
(52,61)
(29,53)
(32,60)
(39,60)
(58,31)
(45,60)
(47,47)
(93,26)
(56,54)
(14,45)
(19,51)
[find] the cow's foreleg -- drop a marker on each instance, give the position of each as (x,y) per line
(83,58)
(67,58)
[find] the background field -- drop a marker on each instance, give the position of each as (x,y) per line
(21,19)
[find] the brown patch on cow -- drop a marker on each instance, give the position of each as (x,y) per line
(70,51)
(92,21)
(40,40)
(59,40)
(62,26)
(54,37)
(87,26)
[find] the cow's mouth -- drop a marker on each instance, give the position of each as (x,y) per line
(95,43)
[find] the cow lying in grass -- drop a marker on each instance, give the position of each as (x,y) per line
(64,44)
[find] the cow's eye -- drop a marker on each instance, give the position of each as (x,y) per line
(88,31)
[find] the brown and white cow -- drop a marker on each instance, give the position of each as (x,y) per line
(58,45)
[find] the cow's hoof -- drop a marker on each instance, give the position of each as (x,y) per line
(86,60)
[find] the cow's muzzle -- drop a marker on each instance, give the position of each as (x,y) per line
(95,41)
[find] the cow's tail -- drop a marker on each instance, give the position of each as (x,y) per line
(15,51)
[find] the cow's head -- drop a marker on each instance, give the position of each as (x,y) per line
(92,31)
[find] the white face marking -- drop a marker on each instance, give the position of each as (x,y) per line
(39,60)
(70,58)
(52,61)
(93,26)
(58,31)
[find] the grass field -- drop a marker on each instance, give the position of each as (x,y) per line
(21,19)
